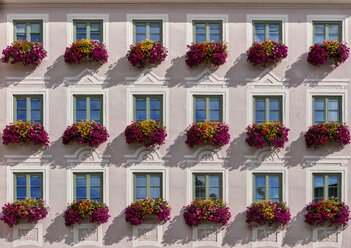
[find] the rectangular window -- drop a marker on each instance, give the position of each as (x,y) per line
(207,31)
(207,186)
(148,108)
(267,187)
(208,108)
(326,186)
(267,30)
(28,108)
(326,31)
(90,30)
(28,185)
(28,30)
(88,108)
(151,30)
(147,185)
(326,109)
(267,108)
(88,186)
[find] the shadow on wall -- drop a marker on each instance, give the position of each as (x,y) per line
(117,231)
(117,72)
(57,231)
(173,72)
(57,160)
(236,152)
(16,70)
(177,233)
(237,233)
(177,147)
(6,232)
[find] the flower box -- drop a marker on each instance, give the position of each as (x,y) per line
(327,212)
(209,53)
(321,134)
(85,132)
(273,134)
(78,211)
(266,52)
(146,53)
(86,51)
(208,133)
(24,133)
(328,51)
(148,133)
(25,52)
(140,210)
(200,211)
(268,213)
(29,209)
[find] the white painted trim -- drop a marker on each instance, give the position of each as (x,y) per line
(11,91)
(147,168)
(147,156)
(320,167)
(85,78)
(267,169)
(17,243)
(310,93)
(76,241)
(84,168)
(284,93)
(327,83)
(147,78)
(27,81)
(137,243)
(87,155)
(224,92)
(133,17)
(38,159)
(206,17)
(44,169)
(217,243)
(256,243)
(267,156)
(43,17)
(207,78)
(103,17)
(256,17)
(206,169)
(148,91)
(206,155)
(311,18)
(317,244)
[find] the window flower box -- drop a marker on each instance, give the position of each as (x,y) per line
(138,211)
(199,211)
(327,212)
(85,132)
(208,133)
(209,53)
(328,51)
(29,209)
(24,133)
(321,134)
(147,53)
(148,133)
(78,211)
(86,51)
(25,52)
(273,134)
(267,213)
(266,53)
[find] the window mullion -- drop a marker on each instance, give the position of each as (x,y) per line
(28,31)
(326,193)
(148,108)
(148,185)
(326,31)
(28,185)
(207,31)
(267,109)
(28,109)
(88,187)
(88,30)
(207,108)
(266,31)
(147,26)
(267,187)
(326,109)
(207,190)
(88,108)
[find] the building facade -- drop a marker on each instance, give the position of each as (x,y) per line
(58,94)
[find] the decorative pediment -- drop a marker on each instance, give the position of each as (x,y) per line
(267,79)
(327,83)
(208,78)
(87,155)
(267,157)
(328,160)
(27,81)
(143,155)
(27,159)
(147,77)
(206,156)
(86,77)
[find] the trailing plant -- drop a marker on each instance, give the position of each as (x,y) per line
(86,51)
(266,52)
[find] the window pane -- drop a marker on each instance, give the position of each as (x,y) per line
(140,32)
(155,115)
(21,115)
(215,31)
(140,180)
(81,181)
(214,181)
(200,32)
(35,28)
(319,104)
(274,181)
(200,186)
(200,103)
(319,33)
(155,31)
(81,36)
(21,103)
(95,103)
(200,115)
(95,192)
(21,37)
(35,116)
(214,193)
(81,115)
(35,192)
(140,193)
(21,180)
(141,103)
(334,31)
(274,194)
(155,37)
(260,181)
(155,193)
(215,103)
(95,115)
(35,180)
(318,186)
(155,103)
(81,193)
(215,115)
(140,115)
(21,192)
(95,180)
(333,104)
(95,27)
(274,30)
(260,32)
(35,37)
(95,36)
(81,103)
(21,28)
(155,180)
(35,103)
(81,27)
(260,104)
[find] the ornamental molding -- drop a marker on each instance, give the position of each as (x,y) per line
(328,160)
(27,159)
(147,77)
(86,77)
(267,79)
(146,156)
(27,81)
(87,155)
(206,156)
(327,83)
(264,236)
(207,78)
(267,156)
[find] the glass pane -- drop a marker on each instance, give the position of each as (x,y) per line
(333,104)
(214,193)
(318,186)
(95,36)
(155,28)
(35,115)
(274,194)
(155,103)
(95,181)
(155,193)
(140,193)
(81,181)
(95,103)
(35,103)
(140,180)
(215,115)
(81,115)
(260,181)
(155,180)
(200,32)
(81,103)
(21,180)
(274,104)
(155,37)
(155,115)
(140,103)
(260,32)
(200,115)
(21,115)
(200,192)
(139,37)
(35,37)
(214,181)
(333,192)
(200,103)
(260,104)
(95,27)
(215,31)
(95,115)
(81,27)
(274,181)
(35,180)
(35,192)
(140,27)
(21,37)
(95,192)
(274,116)
(333,181)
(334,31)
(21,28)
(140,115)
(200,37)
(35,28)
(319,104)
(21,103)
(80,36)
(319,33)
(333,116)
(215,103)
(21,192)
(200,181)
(274,30)
(81,192)
(260,116)
(260,193)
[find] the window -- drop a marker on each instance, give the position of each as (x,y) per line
(267,187)
(151,30)
(208,108)
(91,30)
(267,108)
(326,186)
(207,31)
(88,108)
(28,108)
(326,109)
(326,31)
(148,108)
(267,30)
(147,185)
(28,185)
(88,186)
(28,30)
(207,186)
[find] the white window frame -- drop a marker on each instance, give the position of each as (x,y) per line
(253,17)
(136,17)
(81,17)
(313,18)
(206,17)
(18,17)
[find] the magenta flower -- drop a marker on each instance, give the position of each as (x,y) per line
(266,52)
